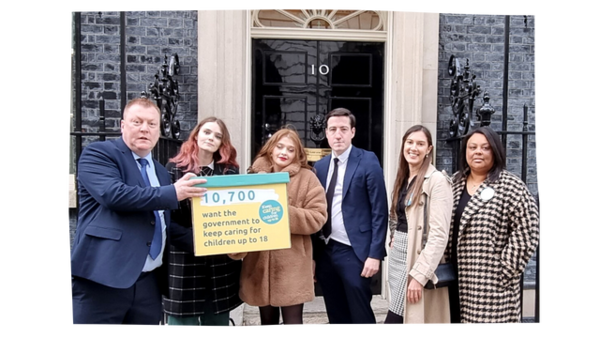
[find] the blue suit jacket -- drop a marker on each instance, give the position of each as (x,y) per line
(115,224)
(364,202)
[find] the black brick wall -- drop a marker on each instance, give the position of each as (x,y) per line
(149,36)
(153,34)
(481,40)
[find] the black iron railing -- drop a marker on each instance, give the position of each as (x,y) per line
(165,149)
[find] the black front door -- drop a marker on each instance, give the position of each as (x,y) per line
(294,81)
(297,82)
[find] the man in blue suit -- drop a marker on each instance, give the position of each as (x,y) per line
(124,197)
(351,245)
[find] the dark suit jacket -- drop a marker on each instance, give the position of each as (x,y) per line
(364,202)
(115,224)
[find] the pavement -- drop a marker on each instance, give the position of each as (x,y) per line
(314,315)
(314,312)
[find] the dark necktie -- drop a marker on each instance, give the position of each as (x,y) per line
(330,191)
(205,171)
(157,238)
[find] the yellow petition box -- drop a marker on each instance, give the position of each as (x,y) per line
(241,213)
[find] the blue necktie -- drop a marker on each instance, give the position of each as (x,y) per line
(157,238)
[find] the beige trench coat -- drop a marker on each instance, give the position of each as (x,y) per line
(285,277)
(434,306)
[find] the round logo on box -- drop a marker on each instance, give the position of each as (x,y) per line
(271,212)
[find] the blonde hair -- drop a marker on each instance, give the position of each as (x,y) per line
(142,102)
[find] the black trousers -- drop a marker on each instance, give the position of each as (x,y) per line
(347,295)
(392,318)
(454,302)
(95,303)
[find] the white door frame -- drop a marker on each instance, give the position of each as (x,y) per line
(410,76)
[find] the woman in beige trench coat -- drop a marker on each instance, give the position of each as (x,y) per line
(412,265)
(282,280)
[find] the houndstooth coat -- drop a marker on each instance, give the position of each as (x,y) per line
(496,238)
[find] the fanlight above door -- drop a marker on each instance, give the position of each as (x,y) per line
(319,19)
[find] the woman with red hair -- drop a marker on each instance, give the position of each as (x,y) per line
(202,290)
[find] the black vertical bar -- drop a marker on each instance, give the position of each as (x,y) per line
(123,63)
(456,149)
(505,79)
(155,154)
(317,82)
(539,267)
(156,151)
(454,156)
(77,127)
(77,52)
(525,138)
(102,121)
(524,179)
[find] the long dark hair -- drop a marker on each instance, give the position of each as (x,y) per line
(497,151)
(414,193)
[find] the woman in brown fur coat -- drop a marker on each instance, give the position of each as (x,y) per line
(282,280)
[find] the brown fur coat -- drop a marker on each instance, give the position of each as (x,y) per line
(285,277)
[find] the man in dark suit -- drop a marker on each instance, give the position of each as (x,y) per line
(124,197)
(351,245)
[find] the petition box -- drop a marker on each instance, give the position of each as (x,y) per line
(241,213)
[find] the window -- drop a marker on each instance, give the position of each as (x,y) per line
(318,19)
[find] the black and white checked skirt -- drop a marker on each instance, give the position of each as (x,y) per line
(397,276)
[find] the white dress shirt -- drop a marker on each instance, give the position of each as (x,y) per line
(338,230)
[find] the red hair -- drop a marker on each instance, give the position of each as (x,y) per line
(188,159)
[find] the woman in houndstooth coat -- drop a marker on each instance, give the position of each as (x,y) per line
(494,232)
